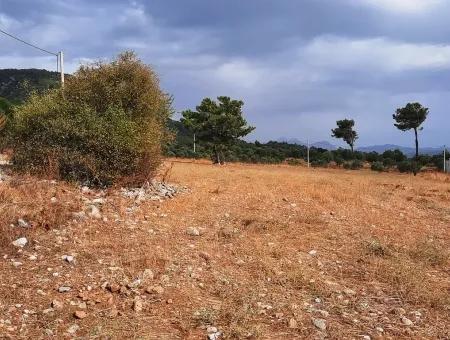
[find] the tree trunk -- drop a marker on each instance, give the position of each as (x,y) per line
(417,145)
(416,163)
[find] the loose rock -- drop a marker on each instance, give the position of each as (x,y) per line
(64,289)
(56,304)
(191,231)
(407,321)
(73,329)
(155,290)
(320,324)
(79,314)
(293,323)
(22,223)
(137,304)
(20,242)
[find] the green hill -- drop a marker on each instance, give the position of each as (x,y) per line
(16,84)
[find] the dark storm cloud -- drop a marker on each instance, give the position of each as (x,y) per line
(298,65)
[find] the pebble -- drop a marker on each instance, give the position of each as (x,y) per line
(211,329)
(214,336)
(155,290)
(94,212)
(137,304)
(20,242)
(114,287)
(67,258)
(193,231)
(320,324)
(407,321)
(79,314)
(350,292)
(136,283)
(73,329)
(17,264)
(147,275)
(379,329)
(56,304)
(293,323)
(312,252)
(22,223)
(64,289)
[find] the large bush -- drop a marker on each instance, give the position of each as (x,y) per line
(409,166)
(107,124)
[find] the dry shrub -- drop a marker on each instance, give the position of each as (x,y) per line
(109,122)
(430,252)
(376,248)
(31,201)
(410,283)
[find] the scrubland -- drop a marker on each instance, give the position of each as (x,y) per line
(255,251)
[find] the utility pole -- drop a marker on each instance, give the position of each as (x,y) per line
(445,161)
(61,64)
(307,153)
(194,142)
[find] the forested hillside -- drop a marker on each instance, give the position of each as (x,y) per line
(16,84)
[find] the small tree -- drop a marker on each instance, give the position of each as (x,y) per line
(346,132)
(411,117)
(219,124)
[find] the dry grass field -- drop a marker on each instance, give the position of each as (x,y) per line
(281,253)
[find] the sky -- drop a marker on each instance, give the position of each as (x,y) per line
(298,65)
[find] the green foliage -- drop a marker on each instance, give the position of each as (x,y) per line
(395,155)
(346,132)
(319,163)
(219,124)
(377,166)
(16,85)
(372,157)
(353,165)
(107,123)
(409,166)
(411,117)
(5,112)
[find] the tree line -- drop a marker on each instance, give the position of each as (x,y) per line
(111,123)
(219,126)
(410,117)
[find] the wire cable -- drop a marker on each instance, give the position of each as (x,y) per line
(27,43)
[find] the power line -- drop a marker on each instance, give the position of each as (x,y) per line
(27,43)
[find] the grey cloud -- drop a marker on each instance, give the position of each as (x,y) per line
(260,51)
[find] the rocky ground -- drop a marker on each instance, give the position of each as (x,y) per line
(232,252)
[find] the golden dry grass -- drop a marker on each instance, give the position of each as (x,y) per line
(382,243)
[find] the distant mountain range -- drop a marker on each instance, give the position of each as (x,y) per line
(322,144)
(377,148)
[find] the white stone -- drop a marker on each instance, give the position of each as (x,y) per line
(22,223)
(407,321)
(68,258)
(94,212)
(73,329)
(193,231)
(313,252)
(320,324)
(20,242)
(64,289)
